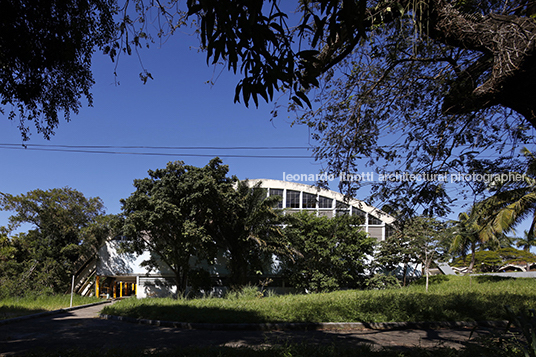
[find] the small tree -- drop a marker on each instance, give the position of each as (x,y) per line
(329,252)
(170,212)
(396,250)
(418,240)
(427,237)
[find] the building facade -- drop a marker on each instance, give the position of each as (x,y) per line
(121,274)
(301,197)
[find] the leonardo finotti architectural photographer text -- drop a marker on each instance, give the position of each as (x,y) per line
(403,177)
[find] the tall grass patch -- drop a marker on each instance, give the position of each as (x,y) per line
(453,299)
(34,303)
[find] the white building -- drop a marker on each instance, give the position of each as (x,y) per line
(121,274)
(302,197)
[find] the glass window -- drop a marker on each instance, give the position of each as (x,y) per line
(341,205)
(389,231)
(309,200)
(293,199)
(342,208)
(373,220)
(277,192)
(324,202)
(357,212)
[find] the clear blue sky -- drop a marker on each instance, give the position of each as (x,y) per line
(177,108)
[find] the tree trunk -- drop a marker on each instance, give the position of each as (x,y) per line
(508,47)
(239,268)
(181,279)
(473,258)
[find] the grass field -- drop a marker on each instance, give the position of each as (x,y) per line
(449,299)
(19,306)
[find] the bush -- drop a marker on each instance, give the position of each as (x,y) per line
(434,279)
(382,281)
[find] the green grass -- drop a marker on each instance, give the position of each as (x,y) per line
(451,299)
(32,304)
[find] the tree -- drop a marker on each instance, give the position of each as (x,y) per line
(61,221)
(494,260)
(471,229)
(526,242)
(45,64)
(417,240)
(248,229)
(328,252)
(427,237)
(170,212)
(263,44)
(514,199)
(448,79)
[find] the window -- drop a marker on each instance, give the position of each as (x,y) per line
(324,202)
(342,208)
(293,199)
(277,192)
(309,200)
(389,231)
(357,212)
(373,220)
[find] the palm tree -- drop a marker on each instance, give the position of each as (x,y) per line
(515,200)
(248,229)
(471,231)
(527,242)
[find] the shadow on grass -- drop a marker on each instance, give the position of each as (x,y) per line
(184,313)
(420,307)
(11,311)
(491,278)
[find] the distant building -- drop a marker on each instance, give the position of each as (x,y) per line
(121,274)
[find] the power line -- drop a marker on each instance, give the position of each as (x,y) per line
(161,147)
(92,150)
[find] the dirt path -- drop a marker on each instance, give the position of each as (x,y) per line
(82,329)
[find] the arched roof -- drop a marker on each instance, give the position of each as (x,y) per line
(296,186)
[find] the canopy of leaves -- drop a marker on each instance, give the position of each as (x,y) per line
(493,261)
(45,58)
(170,212)
(418,86)
(329,252)
(65,228)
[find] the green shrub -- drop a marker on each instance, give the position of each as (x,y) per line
(382,281)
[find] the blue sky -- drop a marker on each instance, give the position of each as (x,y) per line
(178,108)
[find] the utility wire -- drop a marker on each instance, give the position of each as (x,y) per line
(92,150)
(161,147)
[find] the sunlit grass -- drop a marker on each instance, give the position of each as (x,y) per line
(455,299)
(19,306)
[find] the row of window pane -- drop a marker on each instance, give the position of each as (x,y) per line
(309,200)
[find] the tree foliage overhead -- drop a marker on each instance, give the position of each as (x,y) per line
(418,86)
(46,49)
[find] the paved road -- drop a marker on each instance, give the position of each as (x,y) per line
(82,329)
